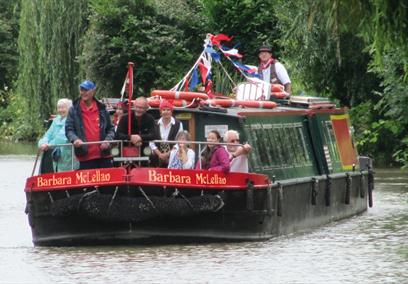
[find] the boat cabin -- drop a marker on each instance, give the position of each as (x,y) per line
(298,138)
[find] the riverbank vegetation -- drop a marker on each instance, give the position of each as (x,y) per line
(354,52)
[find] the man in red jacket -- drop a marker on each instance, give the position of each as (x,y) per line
(89,121)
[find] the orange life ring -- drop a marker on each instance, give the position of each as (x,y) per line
(174,95)
(279,95)
(241,103)
(276,88)
(155,102)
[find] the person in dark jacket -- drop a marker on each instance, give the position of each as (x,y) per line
(89,121)
(142,127)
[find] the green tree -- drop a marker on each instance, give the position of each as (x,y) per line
(326,56)
(8,43)
(355,51)
(162,38)
(48,45)
(252,23)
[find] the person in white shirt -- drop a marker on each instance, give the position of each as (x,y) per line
(182,157)
(238,154)
(167,128)
(271,70)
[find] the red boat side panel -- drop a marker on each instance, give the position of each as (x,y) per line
(200,179)
(76,179)
(348,155)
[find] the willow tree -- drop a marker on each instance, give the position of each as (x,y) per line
(49,44)
(356,52)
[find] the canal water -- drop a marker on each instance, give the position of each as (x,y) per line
(370,248)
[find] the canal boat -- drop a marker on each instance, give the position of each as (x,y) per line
(304,172)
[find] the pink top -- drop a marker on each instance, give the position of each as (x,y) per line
(219,161)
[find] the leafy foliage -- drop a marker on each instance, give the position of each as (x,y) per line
(8,45)
(160,37)
(331,61)
(253,23)
(49,43)
(352,51)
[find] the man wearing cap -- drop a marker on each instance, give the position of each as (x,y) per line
(142,126)
(89,121)
(271,70)
(167,128)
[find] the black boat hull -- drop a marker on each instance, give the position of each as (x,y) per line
(248,215)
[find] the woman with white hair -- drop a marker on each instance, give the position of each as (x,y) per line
(61,156)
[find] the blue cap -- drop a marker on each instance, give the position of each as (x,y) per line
(87,85)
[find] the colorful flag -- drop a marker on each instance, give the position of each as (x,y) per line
(215,55)
(248,69)
(216,39)
(205,67)
(230,52)
(194,79)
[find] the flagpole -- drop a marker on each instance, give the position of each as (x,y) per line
(225,71)
(130,93)
(242,73)
(176,87)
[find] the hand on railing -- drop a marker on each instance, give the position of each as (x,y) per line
(44,147)
(136,140)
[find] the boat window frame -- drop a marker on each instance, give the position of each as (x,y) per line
(286,140)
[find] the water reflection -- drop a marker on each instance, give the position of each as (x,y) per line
(370,248)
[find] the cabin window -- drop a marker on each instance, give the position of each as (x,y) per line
(263,143)
(330,139)
(276,156)
(279,146)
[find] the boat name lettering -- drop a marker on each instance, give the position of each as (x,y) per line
(53,181)
(200,178)
(210,179)
(79,178)
(170,177)
(86,177)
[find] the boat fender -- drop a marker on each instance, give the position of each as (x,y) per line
(269,198)
(250,196)
(113,198)
(187,201)
(221,201)
(29,210)
(149,200)
(362,193)
(81,199)
(51,198)
(349,182)
(315,190)
(130,209)
(327,194)
(280,199)
(370,186)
